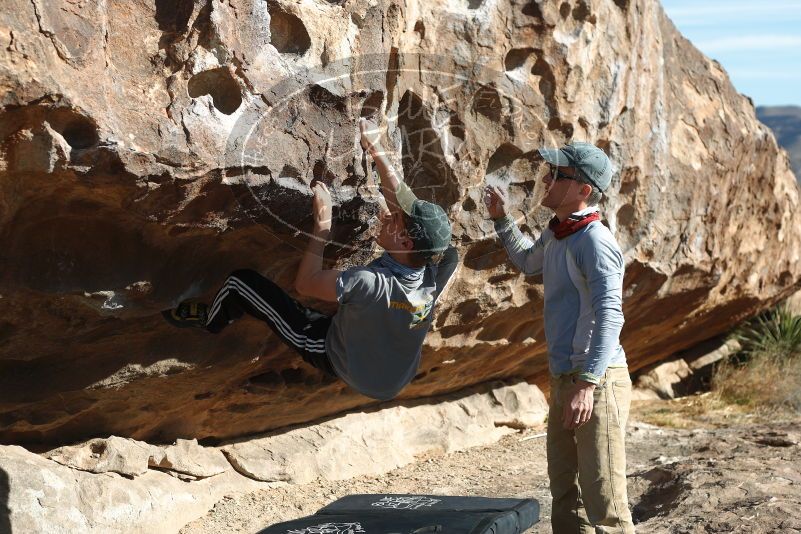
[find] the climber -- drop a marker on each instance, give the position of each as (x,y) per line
(582,269)
(373,341)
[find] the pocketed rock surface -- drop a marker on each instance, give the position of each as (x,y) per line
(149,148)
(720,477)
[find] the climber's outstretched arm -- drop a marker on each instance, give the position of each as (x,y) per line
(312,280)
(391,180)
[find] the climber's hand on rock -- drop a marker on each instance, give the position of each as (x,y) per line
(321,206)
(383,209)
(496,202)
(370,136)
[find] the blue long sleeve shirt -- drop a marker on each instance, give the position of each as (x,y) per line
(583,283)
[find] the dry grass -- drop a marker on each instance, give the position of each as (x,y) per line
(764,383)
(757,387)
(764,380)
(766,376)
(705,410)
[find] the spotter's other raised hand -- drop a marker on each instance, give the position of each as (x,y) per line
(496,201)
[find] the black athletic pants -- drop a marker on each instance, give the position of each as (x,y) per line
(302,328)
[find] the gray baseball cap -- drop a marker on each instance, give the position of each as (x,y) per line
(590,160)
(430,227)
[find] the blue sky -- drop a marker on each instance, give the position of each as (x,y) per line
(757,42)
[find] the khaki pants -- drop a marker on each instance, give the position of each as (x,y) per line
(587,466)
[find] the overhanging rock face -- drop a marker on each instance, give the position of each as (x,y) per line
(148,149)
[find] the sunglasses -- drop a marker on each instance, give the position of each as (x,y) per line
(554,171)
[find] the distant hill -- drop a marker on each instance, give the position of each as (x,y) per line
(785,121)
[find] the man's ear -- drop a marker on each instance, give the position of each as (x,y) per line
(407,243)
(585,191)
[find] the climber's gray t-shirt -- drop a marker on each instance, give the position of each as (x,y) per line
(385,311)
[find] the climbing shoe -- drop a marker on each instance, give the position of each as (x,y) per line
(187,315)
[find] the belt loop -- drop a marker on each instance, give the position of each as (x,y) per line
(602,380)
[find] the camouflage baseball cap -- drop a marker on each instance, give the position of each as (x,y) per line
(430,229)
(590,160)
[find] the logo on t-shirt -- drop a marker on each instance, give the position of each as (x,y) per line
(419,312)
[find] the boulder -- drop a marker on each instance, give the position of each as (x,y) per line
(57,492)
(44,496)
(690,371)
(133,458)
(111,455)
(794,303)
(659,382)
(147,149)
(188,458)
(374,443)
(703,361)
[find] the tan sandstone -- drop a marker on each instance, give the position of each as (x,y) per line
(121,485)
(148,148)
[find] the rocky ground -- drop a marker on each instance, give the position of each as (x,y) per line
(692,469)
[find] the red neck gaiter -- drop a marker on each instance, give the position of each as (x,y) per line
(573,224)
